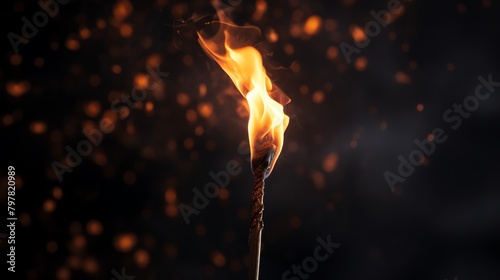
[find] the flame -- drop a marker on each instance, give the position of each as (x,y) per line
(230,46)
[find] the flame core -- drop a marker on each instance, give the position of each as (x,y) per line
(230,46)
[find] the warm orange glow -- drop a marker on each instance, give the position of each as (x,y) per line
(191,115)
(57,193)
(63,273)
(149,106)
(198,131)
(358,34)
(125,242)
(223,194)
(318,96)
(17,88)
(85,33)
(38,127)
(170,195)
(360,63)
(202,89)
(260,9)
(122,9)
(126,30)
(188,143)
(318,179)
(231,48)
(330,163)
(272,36)
(153,60)
(49,206)
(289,50)
(141,80)
(313,25)
(172,211)
(94,227)
(219,259)
(72,44)
(183,99)
(332,52)
(402,78)
(101,24)
(16,59)
(90,266)
(141,258)
(205,109)
(92,109)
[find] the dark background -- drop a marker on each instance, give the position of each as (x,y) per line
(349,123)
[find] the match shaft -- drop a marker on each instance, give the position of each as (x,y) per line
(261,163)
(256,226)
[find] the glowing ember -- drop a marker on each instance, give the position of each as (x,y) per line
(358,34)
(17,88)
(312,25)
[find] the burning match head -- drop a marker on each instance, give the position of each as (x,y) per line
(263,158)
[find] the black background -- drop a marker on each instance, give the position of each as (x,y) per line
(442,222)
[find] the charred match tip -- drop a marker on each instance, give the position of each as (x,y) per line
(261,161)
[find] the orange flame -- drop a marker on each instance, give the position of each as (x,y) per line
(230,46)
